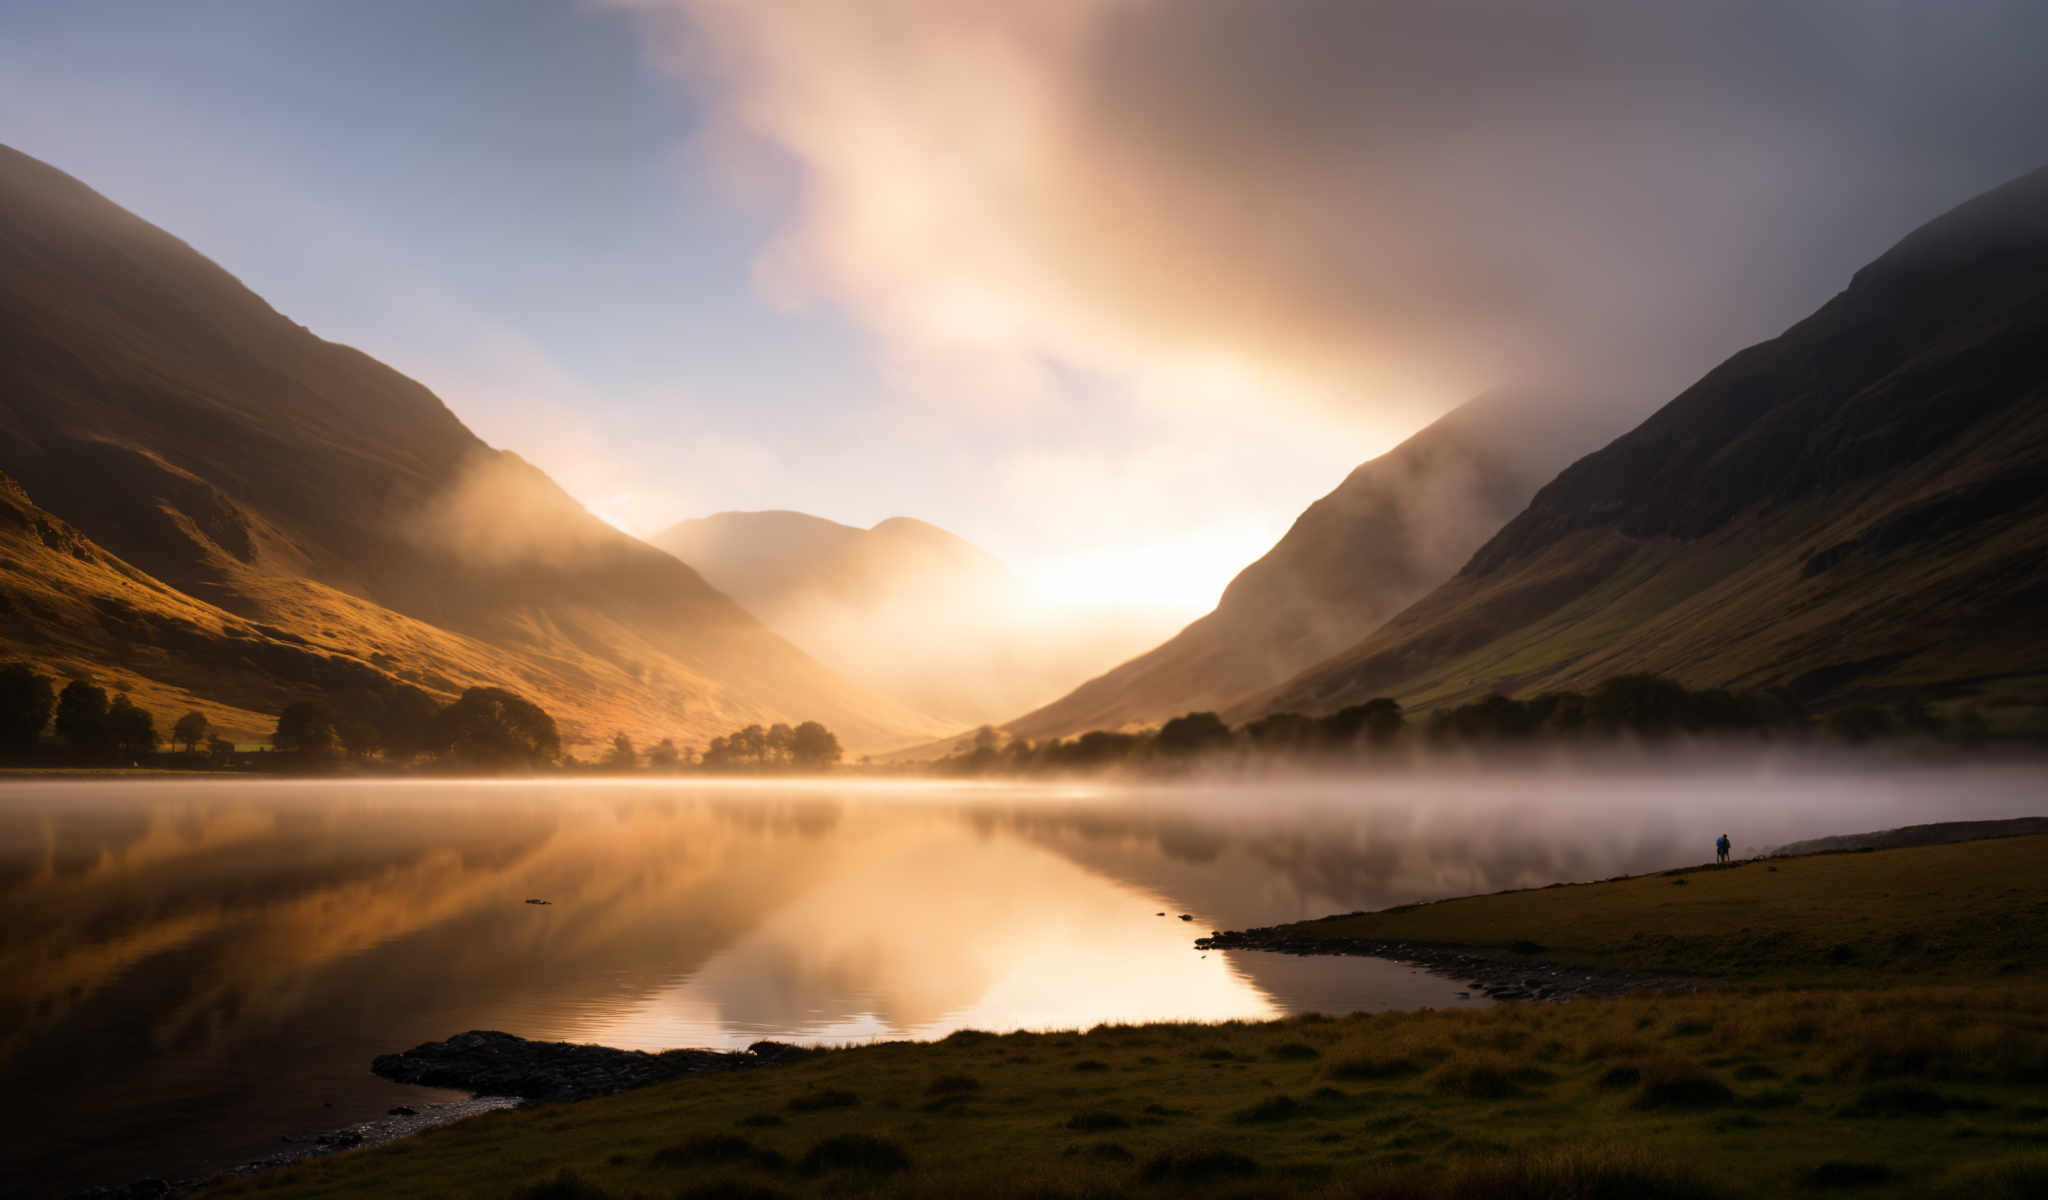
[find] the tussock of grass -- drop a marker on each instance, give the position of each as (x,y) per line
(1680,1083)
(1841,1174)
(1367,1067)
(1274,1108)
(1198,1165)
(2022,1178)
(821,1100)
(856,1152)
(717,1149)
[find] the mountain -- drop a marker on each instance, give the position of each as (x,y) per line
(1397,526)
(909,610)
(1852,510)
(227,457)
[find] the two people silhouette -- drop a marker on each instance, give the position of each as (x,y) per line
(1721,847)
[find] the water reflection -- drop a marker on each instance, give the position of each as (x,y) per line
(188,970)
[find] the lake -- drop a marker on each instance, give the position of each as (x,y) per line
(192,969)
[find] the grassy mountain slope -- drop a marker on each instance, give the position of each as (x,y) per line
(1856,507)
(180,423)
(1397,526)
(909,610)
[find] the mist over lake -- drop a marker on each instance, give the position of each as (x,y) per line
(190,971)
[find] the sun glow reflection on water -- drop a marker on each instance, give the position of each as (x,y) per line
(189,969)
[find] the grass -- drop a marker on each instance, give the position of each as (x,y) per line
(1759,1090)
(1970,912)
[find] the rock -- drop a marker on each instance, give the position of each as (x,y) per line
(402,1110)
(540,902)
(1186,917)
(490,1063)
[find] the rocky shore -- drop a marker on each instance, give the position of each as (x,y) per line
(485,1062)
(1496,978)
(499,1071)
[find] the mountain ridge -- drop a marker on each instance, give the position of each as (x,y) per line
(180,422)
(1852,509)
(1397,524)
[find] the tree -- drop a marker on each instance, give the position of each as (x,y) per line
(406,723)
(1193,734)
(749,745)
(26,702)
(358,736)
(814,746)
(220,751)
(306,728)
(1281,733)
(131,730)
(491,727)
(82,718)
(663,755)
(781,744)
(623,756)
(191,729)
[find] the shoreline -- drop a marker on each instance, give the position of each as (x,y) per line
(1495,978)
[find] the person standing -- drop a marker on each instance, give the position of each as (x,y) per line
(1721,845)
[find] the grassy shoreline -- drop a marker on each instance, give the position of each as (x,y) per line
(1919,1070)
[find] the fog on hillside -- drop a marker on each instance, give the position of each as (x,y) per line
(911,611)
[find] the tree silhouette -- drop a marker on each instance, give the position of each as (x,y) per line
(491,727)
(623,755)
(663,755)
(82,718)
(191,729)
(781,744)
(1193,734)
(131,730)
(26,702)
(814,746)
(306,728)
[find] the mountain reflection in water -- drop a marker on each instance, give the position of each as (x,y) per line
(190,969)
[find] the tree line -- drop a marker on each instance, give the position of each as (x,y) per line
(805,747)
(1641,707)
(483,729)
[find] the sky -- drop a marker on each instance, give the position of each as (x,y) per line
(1113,288)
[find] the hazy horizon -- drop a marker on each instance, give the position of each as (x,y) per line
(1112,290)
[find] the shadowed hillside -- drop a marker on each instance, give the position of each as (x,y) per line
(1397,526)
(1851,511)
(178,422)
(909,610)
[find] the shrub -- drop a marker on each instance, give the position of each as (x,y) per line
(1097,1120)
(821,1100)
(1296,1051)
(953,1085)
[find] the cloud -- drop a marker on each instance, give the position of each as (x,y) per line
(1353,212)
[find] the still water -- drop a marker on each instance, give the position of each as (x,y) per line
(189,970)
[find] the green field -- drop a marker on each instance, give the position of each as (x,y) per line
(1888,1087)
(1971,912)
